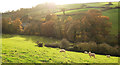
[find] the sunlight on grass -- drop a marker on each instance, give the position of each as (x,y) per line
(22,49)
(75,11)
(113,15)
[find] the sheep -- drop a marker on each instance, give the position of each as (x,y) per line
(85,52)
(62,50)
(108,56)
(40,44)
(91,54)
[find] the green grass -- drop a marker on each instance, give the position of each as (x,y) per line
(101,4)
(75,11)
(22,49)
(113,15)
(0,49)
(98,4)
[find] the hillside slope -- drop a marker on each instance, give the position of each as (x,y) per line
(22,49)
(113,15)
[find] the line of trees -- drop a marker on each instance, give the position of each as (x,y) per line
(9,26)
(91,26)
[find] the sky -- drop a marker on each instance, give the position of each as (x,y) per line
(10,5)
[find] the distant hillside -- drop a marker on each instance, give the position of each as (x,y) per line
(42,9)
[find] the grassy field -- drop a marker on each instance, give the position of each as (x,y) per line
(97,4)
(0,49)
(22,49)
(113,15)
(75,11)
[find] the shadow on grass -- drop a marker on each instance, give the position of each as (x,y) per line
(8,35)
(45,40)
(44,60)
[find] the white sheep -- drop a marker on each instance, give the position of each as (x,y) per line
(108,56)
(91,54)
(62,50)
(85,52)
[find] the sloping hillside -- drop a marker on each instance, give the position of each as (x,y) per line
(22,49)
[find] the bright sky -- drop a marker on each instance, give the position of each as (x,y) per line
(6,5)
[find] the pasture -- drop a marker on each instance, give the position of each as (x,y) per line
(23,49)
(78,5)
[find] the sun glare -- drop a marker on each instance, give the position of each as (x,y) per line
(6,5)
(58,2)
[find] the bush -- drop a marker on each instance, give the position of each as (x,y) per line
(97,48)
(64,44)
(110,3)
(78,47)
(53,45)
(107,49)
(112,40)
(91,46)
(118,48)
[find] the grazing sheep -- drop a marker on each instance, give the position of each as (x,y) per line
(91,54)
(85,52)
(40,44)
(62,50)
(108,56)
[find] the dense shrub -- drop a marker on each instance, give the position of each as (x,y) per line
(118,48)
(107,49)
(64,43)
(81,47)
(91,46)
(110,3)
(97,48)
(53,45)
(112,40)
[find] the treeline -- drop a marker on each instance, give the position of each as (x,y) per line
(91,26)
(11,27)
(35,12)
